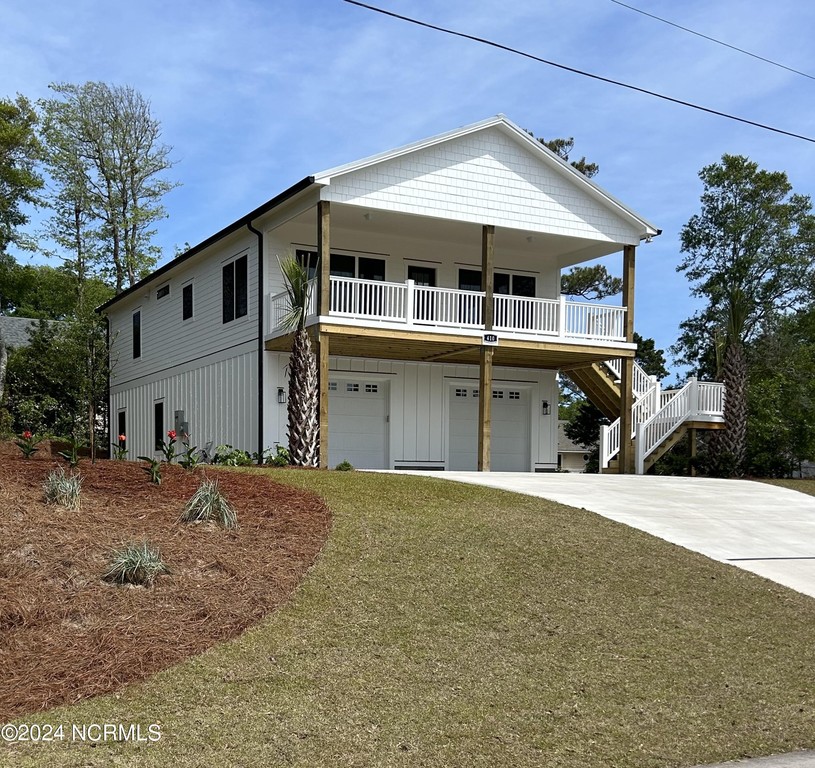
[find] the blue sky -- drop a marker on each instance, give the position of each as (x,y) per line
(254,96)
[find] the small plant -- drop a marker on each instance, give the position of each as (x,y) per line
(344,466)
(135,564)
(281,458)
(231,457)
(208,504)
(72,454)
(168,446)
(61,489)
(190,458)
(119,449)
(153,469)
(27,443)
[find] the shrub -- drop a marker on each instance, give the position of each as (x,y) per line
(281,457)
(135,564)
(62,489)
(72,454)
(208,504)
(344,466)
(190,457)
(231,457)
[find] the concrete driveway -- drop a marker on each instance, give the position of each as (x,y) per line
(761,528)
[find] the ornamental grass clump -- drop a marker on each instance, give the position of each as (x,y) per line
(207,505)
(62,490)
(138,564)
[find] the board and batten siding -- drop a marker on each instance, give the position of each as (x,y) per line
(203,366)
(483,177)
(418,404)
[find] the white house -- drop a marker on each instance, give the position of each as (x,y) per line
(437,315)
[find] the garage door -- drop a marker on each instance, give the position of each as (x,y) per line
(510,429)
(358,423)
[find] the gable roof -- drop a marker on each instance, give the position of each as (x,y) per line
(521,137)
(15,330)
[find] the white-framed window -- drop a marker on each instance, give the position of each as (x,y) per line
(235,288)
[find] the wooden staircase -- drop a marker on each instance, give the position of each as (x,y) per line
(598,383)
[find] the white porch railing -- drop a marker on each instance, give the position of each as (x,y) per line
(378,302)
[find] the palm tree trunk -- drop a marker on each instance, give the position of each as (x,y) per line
(303,403)
(731,443)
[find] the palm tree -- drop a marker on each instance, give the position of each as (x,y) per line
(303,401)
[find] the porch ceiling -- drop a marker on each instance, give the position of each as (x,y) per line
(444,348)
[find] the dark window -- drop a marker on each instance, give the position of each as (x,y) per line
(158,424)
(500,282)
(163,291)
(309,260)
(371,269)
(422,275)
(241,286)
(228,291)
(235,285)
(342,265)
(469,279)
(523,285)
(186,302)
(121,424)
(136,335)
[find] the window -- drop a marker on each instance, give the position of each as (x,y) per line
(332,386)
(186,302)
(158,423)
(163,291)
(235,285)
(352,387)
(503,283)
(498,394)
(344,265)
(136,334)
(514,395)
(461,392)
(372,388)
(121,425)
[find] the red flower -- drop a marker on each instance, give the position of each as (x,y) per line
(171,434)
(122,438)
(26,435)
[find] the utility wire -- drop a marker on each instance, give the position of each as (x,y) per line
(580,72)
(713,40)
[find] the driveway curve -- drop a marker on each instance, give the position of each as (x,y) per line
(758,527)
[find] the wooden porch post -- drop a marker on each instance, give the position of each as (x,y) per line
(626,462)
(324,254)
(323,306)
(485,357)
(322,382)
(691,452)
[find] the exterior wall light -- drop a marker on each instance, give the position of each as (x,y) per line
(281,395)
(545,409)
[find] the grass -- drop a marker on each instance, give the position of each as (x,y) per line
(451,625)
(138,564)
(63,490)
(801,485)
(209,505)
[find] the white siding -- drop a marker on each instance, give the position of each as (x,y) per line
(484,178)
(418,408)
(218,397)
(167,341)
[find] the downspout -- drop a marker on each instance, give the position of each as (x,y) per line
(110,369)
(261,348)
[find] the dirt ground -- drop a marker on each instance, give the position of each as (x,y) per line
(65,634)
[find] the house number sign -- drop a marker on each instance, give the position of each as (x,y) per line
(491,339)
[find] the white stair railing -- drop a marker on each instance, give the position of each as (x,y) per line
(656,430)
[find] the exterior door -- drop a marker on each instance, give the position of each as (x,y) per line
(424,301)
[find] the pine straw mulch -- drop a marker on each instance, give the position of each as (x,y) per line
(65,634)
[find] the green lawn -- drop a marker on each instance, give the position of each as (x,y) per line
(804,486)
(451,625)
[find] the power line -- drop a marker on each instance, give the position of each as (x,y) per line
(580,72)
(713,40)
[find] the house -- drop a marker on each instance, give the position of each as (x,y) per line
(15,332)
(437,315)
(571,457)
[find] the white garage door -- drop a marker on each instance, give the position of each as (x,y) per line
(510,429)
(358,423)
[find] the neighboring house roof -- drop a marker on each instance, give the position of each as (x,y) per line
(564,445)
(15,330)
(323,179)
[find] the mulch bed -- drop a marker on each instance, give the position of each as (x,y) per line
(65,634)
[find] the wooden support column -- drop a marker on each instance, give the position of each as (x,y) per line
(692,452)
(324,254)
(484,408)
(322,383)
(626,463)
(486,353)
